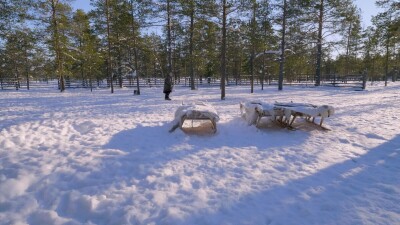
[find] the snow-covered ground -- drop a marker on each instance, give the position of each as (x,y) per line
(99,158)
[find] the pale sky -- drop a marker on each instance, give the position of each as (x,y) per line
(368,9)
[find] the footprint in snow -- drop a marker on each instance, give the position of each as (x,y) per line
(375,136)
(84,127)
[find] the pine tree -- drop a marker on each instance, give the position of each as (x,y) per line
(330,13)
(86,45)
(55,14)
(13,12)
(227,7)
(388,28)
(18,51)
(352,35)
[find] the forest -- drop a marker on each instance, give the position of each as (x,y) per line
(137,42)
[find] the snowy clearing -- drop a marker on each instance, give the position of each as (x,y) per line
(99,158)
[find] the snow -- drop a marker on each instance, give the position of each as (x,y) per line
(84,157)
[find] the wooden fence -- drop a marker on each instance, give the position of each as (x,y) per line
(334,80)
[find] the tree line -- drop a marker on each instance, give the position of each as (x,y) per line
(138,39)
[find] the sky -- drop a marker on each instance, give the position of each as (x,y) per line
(367,7)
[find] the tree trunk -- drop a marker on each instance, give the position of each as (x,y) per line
(253,27)
(263,72)
(319,44)
(192,87)
(348,51)
(1,81)
(17,85)
(109,65)
(223,50)
(387,59)
(135,49)
(26,68)
(169,39)
(282,57)
(57,47)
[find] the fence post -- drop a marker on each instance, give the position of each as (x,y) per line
(364,80)
(334,80)
(16,83)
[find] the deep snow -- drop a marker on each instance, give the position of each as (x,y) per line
(99,158)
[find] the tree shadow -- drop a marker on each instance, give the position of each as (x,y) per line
(362,190)
(156,144)
(149,147)
(137,168)
(151,150)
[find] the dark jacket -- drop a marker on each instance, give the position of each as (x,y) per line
(167,84)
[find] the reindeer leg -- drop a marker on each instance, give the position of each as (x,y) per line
(258,120)
(214,125)
(182,121)
(294,117)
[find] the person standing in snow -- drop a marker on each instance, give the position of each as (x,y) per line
(167,86)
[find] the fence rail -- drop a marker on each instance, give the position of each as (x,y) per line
(335,80)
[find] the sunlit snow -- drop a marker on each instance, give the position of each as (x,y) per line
(84,157)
